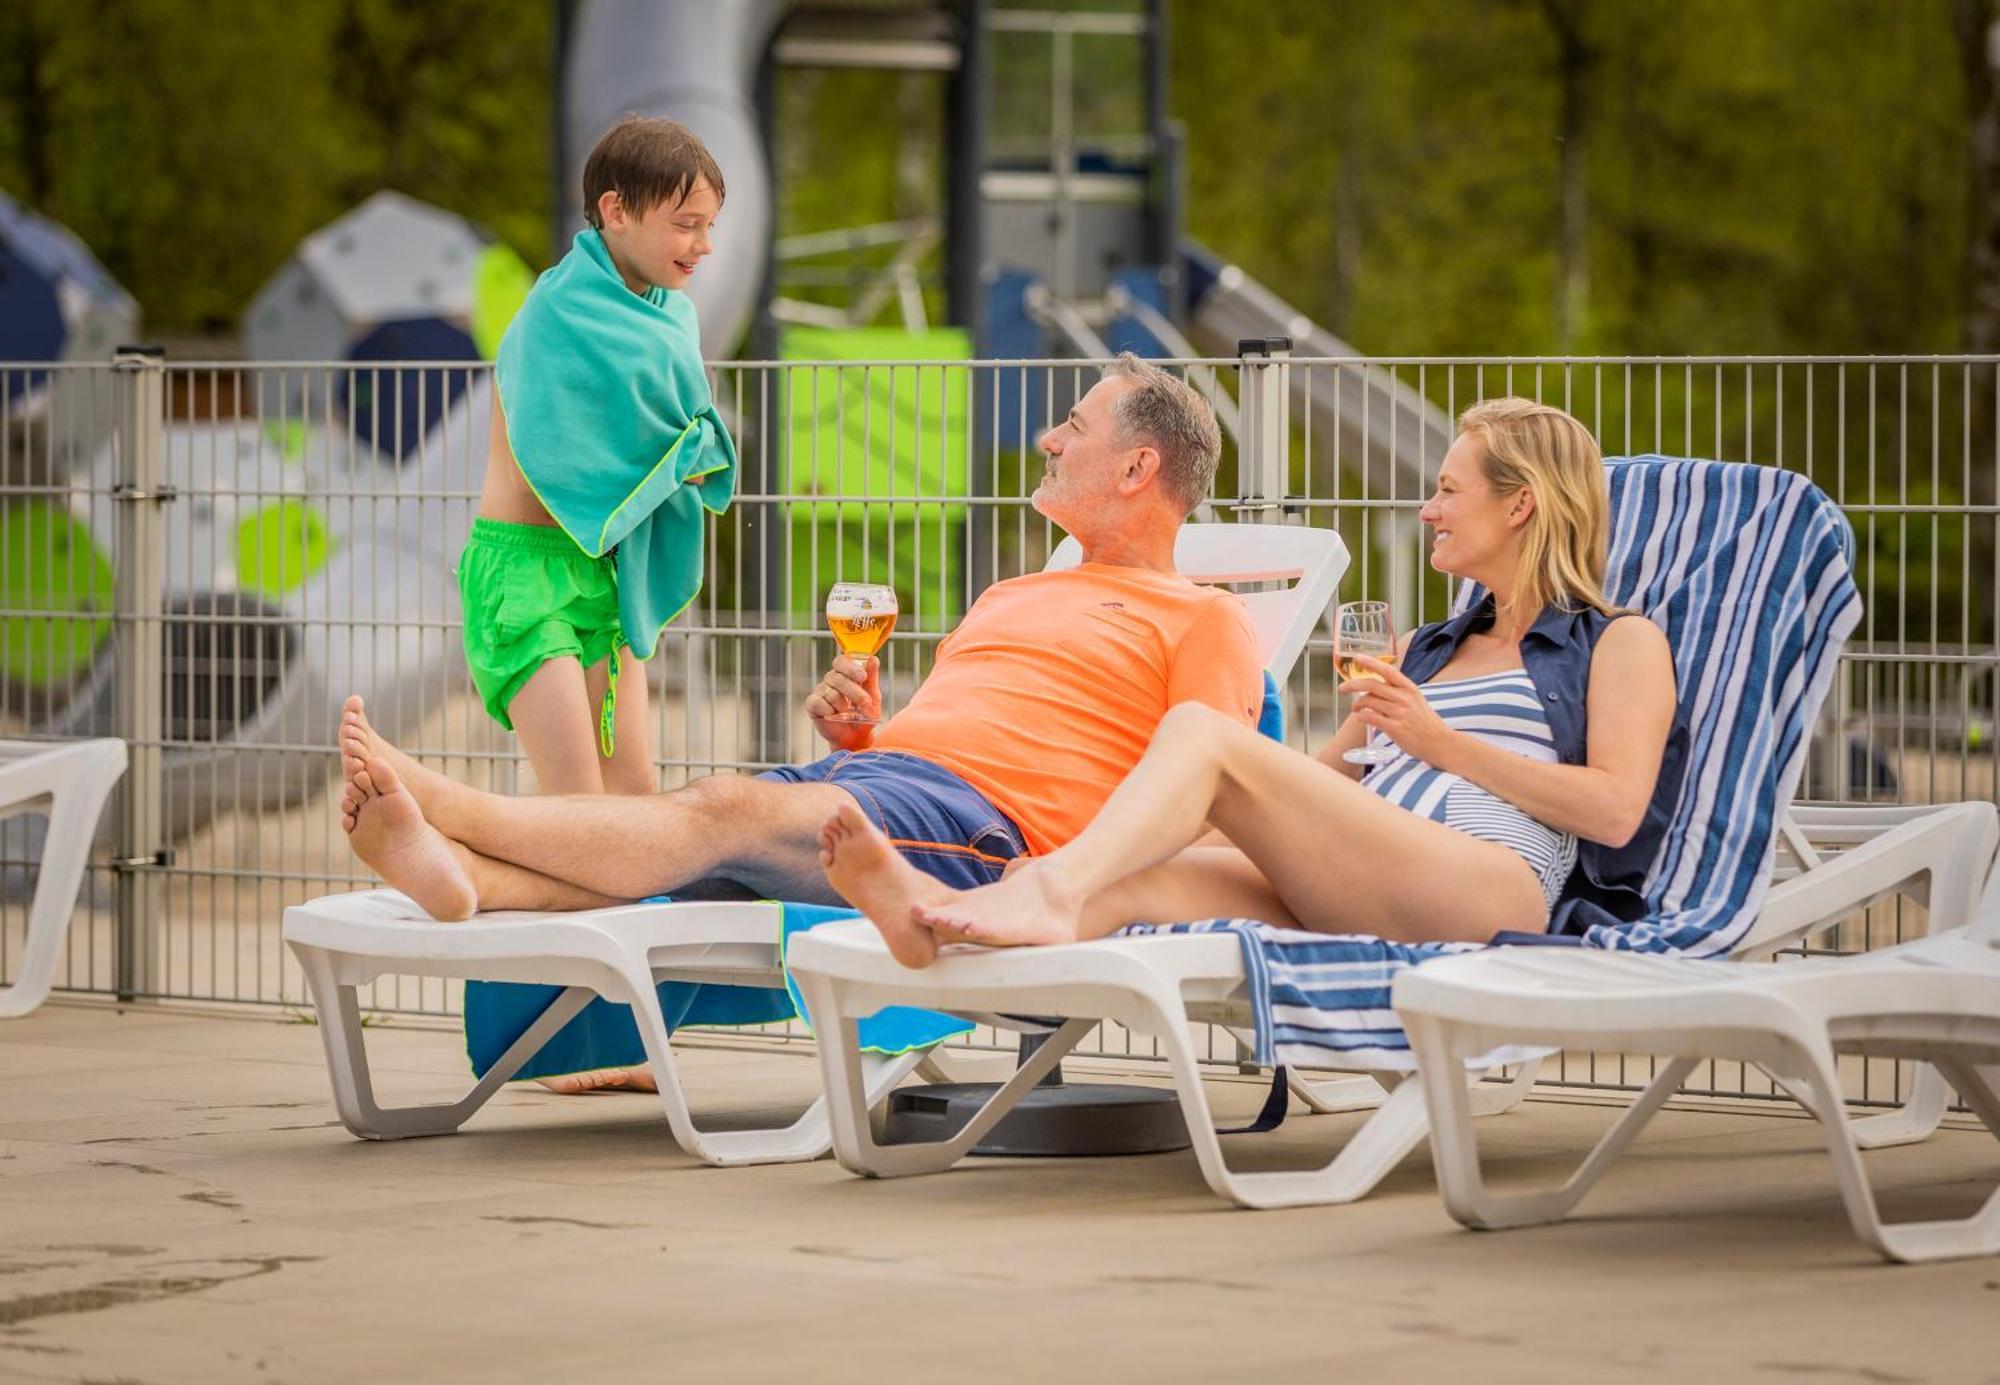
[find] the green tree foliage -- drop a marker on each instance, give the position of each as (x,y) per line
(1784,176)
(192,142)
(1781,176)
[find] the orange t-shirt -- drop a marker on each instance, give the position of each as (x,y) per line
(1050,689)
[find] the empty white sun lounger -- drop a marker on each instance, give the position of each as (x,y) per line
(346,941)
(70,782)
(1935,999)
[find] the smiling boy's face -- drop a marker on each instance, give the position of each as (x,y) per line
(665,244)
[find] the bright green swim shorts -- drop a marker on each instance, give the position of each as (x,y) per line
(531,595)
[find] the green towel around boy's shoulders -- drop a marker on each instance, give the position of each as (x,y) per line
(609,414)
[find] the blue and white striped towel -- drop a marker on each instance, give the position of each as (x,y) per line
(1748,569)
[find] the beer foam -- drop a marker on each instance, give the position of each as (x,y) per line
(854,608)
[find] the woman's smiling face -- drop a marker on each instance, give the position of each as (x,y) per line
(1474,529)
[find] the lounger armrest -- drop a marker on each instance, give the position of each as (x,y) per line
(1938,856)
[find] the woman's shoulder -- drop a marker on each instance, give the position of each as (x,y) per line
(1631,641)
(1631,630)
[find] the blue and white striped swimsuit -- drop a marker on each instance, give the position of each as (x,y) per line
(1500,709)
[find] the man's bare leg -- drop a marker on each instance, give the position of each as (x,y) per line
(360,742)
(449,881)
(387,830)
(758,833)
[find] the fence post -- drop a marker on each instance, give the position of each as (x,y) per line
(140,652)
(1263,464)
(1264,403)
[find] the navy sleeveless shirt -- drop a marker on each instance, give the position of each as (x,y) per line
(1608,884)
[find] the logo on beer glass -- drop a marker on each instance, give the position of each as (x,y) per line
(862,615)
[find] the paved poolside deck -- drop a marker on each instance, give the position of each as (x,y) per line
(177,1203)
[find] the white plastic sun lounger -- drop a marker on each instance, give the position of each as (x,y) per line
(1158,985)
(345,941)
(1935,999)
(68,781)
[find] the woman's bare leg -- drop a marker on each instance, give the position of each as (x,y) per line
(1339,858)
(1202,882)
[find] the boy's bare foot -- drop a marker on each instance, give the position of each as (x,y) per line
(874,878)
(1029,906)
(387,830)
(360,742)
(638,1079)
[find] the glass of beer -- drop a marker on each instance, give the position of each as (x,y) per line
(1364,627)
(861,615)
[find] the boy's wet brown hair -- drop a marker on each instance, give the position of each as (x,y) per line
(647,161)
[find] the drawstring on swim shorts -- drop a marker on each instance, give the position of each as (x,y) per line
(607,716)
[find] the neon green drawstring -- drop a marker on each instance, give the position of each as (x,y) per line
(607,717)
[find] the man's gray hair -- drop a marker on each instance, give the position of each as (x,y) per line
(1167,415)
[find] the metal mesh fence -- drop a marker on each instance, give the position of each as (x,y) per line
(272,537)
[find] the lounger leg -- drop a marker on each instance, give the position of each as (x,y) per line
(1813,1067)
(937,1066)
(1916,1119)
(841,1063)
(1338,1094)
(347,1059)
(1493,1099)
(73,815)
(1455,1142)
(808,1137)
(1396,1128)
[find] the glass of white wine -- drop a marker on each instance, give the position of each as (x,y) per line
(1364,628)
(862,615)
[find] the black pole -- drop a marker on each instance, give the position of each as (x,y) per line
(559,172)
(965,250)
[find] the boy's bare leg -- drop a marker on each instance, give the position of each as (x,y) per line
(555,721)
(630,770)
(387,831)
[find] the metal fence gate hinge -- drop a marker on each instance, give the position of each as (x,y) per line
(127,864)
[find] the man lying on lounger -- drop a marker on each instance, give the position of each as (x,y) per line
(1040,702)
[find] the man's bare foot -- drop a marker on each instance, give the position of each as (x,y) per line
(386,828)
(874,878)
(1031,905)
(360,742)
(639,1079)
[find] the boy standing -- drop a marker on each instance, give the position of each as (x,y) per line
(606,450)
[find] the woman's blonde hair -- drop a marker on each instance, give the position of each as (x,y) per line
(1540,448)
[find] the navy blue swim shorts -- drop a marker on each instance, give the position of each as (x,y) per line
(942,825)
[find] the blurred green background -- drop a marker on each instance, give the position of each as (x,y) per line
(1459,176)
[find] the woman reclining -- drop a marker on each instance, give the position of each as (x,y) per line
(1528,787)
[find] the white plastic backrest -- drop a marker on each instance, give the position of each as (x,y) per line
(1310,560)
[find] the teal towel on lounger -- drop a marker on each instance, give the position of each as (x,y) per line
(603,1035)
(609,414)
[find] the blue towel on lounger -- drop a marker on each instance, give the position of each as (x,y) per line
(603,1035)
(1748,569)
